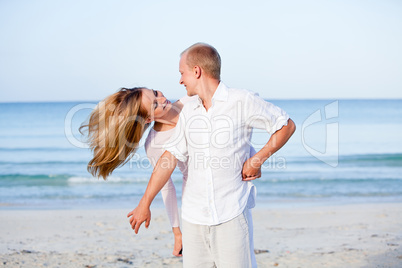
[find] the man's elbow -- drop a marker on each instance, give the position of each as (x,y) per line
(288,130)
(291,127)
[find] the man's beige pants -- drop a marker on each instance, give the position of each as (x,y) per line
(226,245)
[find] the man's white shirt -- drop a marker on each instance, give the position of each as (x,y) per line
(216,143)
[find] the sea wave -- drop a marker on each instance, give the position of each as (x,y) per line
(344,160)
(380,159)
(298,180)
(7,180)
(119,180)
(38,149)
(372,159)
(36,162)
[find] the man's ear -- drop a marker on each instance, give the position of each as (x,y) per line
(197,71)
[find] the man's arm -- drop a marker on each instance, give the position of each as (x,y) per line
(252,167)
(161,174)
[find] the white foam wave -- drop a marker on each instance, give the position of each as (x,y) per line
(85,180)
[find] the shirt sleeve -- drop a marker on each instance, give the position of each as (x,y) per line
(177,145)
(264,115)
(252,151)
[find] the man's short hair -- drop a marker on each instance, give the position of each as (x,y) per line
(205,56)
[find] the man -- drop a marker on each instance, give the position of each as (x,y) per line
(213,134)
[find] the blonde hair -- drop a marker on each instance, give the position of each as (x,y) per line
(205,56)
(115,128)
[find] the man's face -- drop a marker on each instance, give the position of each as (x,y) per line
(187,78)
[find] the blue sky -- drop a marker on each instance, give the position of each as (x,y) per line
(85,50)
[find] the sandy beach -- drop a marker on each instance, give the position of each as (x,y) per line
(357,235)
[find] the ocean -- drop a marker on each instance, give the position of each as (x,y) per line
(343,151)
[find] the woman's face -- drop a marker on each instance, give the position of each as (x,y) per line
(156,105)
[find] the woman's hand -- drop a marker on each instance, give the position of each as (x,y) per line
(178,246)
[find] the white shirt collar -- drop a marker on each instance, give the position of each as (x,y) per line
(221,94)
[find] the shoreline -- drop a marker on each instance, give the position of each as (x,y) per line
(262,202)
(344,235)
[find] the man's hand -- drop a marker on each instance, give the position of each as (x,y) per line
(138,216)
(251,169)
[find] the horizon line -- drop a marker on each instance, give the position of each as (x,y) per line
(273,99)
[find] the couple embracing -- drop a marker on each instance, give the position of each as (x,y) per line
(207,134)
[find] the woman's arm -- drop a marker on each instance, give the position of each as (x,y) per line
(168,196)
(170,200)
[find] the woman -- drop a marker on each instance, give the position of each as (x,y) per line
(115,129)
